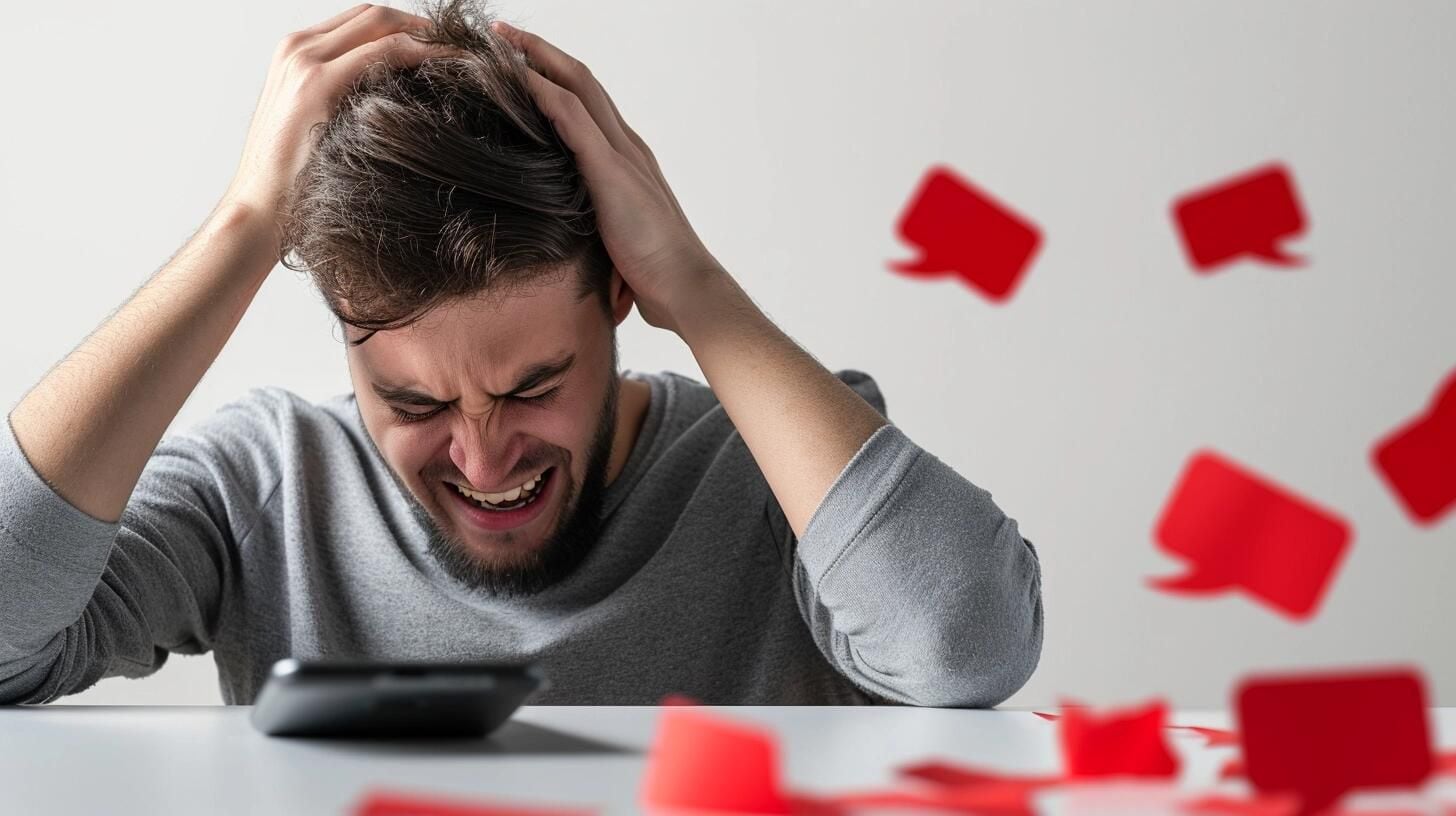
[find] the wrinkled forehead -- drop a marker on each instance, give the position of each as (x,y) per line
(486,340)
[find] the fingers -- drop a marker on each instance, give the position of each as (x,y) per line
(373,23)
(334,21)
(595,155)
(398,49)
(649,158)
(569,73)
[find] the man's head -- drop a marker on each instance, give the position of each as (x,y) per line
(447,227)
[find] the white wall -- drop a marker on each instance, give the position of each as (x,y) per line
(793,134)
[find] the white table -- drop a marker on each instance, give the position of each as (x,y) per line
(158,760)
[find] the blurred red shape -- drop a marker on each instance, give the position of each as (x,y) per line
(961,230)
(1282,805)
(1445,763)
(395,803)
(1213,737)
(1320,735)
(701,762)
(1127,742)
(982,790)
(1249,214)
(1239,530)
(1418,459)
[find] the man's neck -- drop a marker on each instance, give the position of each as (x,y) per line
(632,402)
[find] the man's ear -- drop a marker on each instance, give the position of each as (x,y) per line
(621,297)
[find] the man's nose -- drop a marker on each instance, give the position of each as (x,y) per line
(478,449)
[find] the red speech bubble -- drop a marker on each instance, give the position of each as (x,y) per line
(1418,459)
(961,230)
(701,762)
(1212,737)
(1239,530)
(1247,215)
(1320,735)
(1118,743)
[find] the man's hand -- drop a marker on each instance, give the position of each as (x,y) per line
(311,70)
(654,248)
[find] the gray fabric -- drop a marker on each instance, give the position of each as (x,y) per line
(273,529)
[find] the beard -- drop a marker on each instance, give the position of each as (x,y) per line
(565,546)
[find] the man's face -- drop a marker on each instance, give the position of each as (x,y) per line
(489,395)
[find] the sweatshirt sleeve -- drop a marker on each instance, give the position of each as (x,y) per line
(915,585)
(83,599)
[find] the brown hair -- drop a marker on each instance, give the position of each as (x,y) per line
(439,182)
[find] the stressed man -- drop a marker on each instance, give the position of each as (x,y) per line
(480,219)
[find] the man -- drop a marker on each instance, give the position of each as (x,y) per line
(480,218)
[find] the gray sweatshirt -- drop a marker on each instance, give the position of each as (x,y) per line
(273,529)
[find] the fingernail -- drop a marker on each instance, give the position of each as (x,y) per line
(501,25)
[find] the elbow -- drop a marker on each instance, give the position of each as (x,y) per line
(962,670)
(32,679)
(985,644)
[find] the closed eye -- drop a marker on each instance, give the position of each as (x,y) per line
(544,398)
(407,416)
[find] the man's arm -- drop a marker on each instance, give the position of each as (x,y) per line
(801,423)
(802,426)
(83,599)
(88,589)
(914,583)
(90,424)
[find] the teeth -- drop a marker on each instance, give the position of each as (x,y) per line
(502,498)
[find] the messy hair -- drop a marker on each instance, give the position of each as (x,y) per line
(439,182)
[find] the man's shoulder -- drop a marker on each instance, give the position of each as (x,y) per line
(273,405)
(275,419)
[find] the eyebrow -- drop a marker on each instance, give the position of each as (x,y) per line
(533,376)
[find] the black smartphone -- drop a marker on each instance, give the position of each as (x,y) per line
(328,698)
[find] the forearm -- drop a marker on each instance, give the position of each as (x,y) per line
(800,422)
(921,588)
(89,426)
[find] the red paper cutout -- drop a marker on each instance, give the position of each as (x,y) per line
(1246,215)
(1240,530)
(984,790)
(1322,735)
(394,803)
(978,800)
(953,775)
(1418,459)
(1128,742)
(961,230)
(1278,805)
(1213,737)
(701,762)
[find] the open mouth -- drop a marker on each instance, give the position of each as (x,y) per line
(535,488)
(506,513)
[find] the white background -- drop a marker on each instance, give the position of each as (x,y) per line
(793,135)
